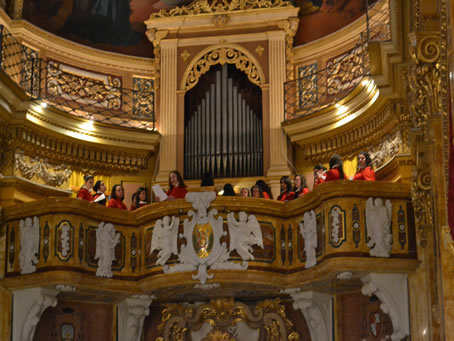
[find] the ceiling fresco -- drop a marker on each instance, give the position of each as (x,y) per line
(118,25)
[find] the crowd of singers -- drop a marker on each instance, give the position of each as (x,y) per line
(177,188)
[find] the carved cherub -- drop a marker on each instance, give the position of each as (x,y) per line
(243,234)
(378,220)
(308,230)
(106,240)
(165,236)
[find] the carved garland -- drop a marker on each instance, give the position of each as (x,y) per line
(220,6)
(221,56)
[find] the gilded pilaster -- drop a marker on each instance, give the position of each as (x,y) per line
(168,109)
(428,109)
(277,72)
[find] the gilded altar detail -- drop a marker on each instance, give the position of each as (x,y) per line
(221,56)
(221,318)
(220,6)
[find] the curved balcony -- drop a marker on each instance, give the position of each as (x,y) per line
(339,227)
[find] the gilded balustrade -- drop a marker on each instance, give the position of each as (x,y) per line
(338,227)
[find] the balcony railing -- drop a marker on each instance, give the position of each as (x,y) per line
(340,226)
(314,91)
(101,100)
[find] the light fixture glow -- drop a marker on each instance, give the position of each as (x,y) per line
(89,125)
(44,104)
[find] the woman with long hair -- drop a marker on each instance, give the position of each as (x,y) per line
(177,188)
(84,192)
(116,197)
(336,169)
(365,170)
(265,189)
(256,192)
(300,185)
(286,190)
(140,198)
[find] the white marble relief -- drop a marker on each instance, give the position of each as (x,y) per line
(378,220)
(131,314)
(308,230)
(243,234)
(106,240)
(165,238)
(335,227)
(29,244)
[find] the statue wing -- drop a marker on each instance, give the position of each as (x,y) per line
(99,232)
(389,211)
(370,215)
(173,235)
(313,227)
(254,228)
(158,234)
(233,231)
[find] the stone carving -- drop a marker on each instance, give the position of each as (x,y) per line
(165,234)
(378,220)
(203,248)
(65,239)
(29,304)
(335,226)
(51,175)
(131,314)
(392,291)
(386,150)
(29,244)
(106,240)
(243,234)
(317,309)
(308,230)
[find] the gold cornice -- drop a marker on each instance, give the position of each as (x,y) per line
(200,7)
(19,183)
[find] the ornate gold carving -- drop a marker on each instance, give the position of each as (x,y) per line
(220,6)
(221,56)
(259,50)
(424,81)
(290,27)
(422,203)
(51,175)
(386,150)
(143,98)
(220,20)
(185,55)
(223,313)
(63,81)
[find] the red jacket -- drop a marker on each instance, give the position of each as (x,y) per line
(319,181)
(177,192)
(84,194)
(332,174)
(141,204)
(286,196)
(366,173)
(299,194)
(115,203)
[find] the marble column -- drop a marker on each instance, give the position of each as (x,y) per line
(168,110)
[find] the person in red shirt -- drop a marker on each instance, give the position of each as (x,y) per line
(300,186)
(319,175)
(286,190)
(140,198)
(266,191)
(365,170)
(336,170)
(256,192)
(100,196)
(177,188)
(116,198)
(85,191)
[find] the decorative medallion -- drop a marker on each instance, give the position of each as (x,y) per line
(46,242)
(202,240)
(185,55)
(64,240)
(356,225)
(401,227)
(259,50)
(337,228)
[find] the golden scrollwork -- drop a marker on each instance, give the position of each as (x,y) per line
(428,49)
(220,6)
(290,27)
(221,56)
(268,317)
(77,88)
(422,203)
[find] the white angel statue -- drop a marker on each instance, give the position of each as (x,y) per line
(308,230)
(165,237)
(378,220)
(29,244)
(106,240)
(243,234)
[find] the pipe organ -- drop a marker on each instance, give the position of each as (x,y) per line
(223,126)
